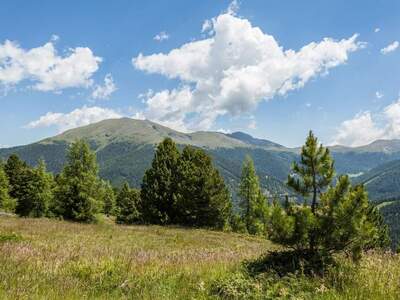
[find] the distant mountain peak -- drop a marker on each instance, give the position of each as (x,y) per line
(247,138)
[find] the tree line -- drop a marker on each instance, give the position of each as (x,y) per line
(184,188)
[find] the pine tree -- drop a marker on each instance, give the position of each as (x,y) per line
(253,202)
(314,173)
(159,185)
(355,228)
(127,204)
(6,202)
(339,217)
(77,196)
(203,199)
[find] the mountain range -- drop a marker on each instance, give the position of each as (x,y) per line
(125,148)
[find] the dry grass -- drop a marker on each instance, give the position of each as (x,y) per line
(42,258)
(49,259)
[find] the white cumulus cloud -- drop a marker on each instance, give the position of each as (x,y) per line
(76,118)
(161,36)
(104,91)
(390,48)
(45,68)
(366,127)
(232,71)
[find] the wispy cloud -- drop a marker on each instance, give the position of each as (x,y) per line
(104,91)
(390,48)
(162,36)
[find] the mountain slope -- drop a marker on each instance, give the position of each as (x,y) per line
(382,182)
(125,148)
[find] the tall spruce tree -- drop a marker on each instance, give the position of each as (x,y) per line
(203,200)
(127,203)
(6,202)
(77,195)
(253,203)
(158,193)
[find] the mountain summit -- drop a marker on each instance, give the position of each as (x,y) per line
(125,148)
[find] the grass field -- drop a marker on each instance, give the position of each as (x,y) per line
(49,259)
(55,259)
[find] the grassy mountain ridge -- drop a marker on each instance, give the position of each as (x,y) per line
(125,147)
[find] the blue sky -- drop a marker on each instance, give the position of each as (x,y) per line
(71,63)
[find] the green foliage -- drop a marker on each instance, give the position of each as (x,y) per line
(253,204)
(202,199)
(127,203)
(236,223)
(184,189)
(77,194)
(31,187)
(356,226)
(315,171)
(390,212)
(38,192)
(158,186)
(6,202)
(16,170)
(339,217)
(108,198)
(10,237)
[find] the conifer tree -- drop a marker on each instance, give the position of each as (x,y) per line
(158,193)
(77,196)
(338,218)
(6,202)
(312,176)
(315,171)
(16,170)
(37,192)
(203,200)
(355,228)
(252,201)
(108,198)
(127,204)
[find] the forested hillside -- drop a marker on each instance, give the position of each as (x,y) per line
(124,148)
(383,181)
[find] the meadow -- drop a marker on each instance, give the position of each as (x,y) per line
(51,259)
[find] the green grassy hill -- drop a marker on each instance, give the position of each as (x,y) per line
(125,147)
(50,259)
